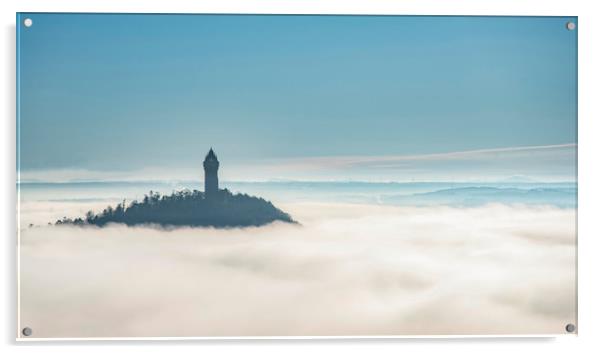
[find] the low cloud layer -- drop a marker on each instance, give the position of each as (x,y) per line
(348,270)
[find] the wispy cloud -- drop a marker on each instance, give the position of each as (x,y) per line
(481,154)
(86,175)
(544,162)
(547,162)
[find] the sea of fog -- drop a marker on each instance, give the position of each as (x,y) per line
(366,259)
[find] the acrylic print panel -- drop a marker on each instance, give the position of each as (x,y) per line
(256,175)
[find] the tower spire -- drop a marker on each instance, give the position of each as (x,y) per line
(211,165)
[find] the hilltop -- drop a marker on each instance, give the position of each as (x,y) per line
(188,208)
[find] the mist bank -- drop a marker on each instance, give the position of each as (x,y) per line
(349,270)
(563,194)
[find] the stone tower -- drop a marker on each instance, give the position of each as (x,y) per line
(211,165)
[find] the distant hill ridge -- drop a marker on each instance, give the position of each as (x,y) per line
(474,196)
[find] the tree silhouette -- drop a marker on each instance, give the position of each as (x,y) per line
(188,208)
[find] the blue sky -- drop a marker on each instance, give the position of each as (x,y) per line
(131,95)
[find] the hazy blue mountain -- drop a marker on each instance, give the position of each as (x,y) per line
(474,196)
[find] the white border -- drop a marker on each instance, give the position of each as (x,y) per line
(21,337)
(218,338)
(590,25)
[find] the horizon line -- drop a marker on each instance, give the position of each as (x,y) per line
(75,175)
(175,181)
